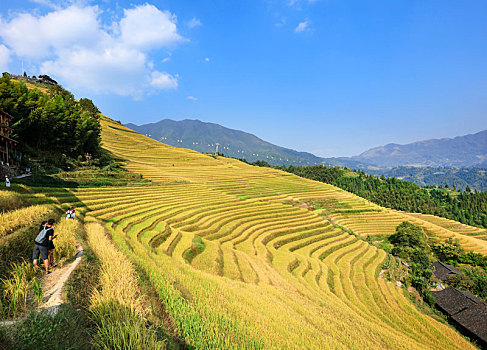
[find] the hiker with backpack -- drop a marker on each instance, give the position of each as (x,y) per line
(41,247)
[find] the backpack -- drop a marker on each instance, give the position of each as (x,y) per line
(42,237)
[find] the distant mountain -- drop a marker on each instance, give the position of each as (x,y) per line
(461,151)
(203,137)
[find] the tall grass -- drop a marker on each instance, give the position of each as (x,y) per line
(10,200)
(65,242)
(117,307)
(15,219)
(15,289)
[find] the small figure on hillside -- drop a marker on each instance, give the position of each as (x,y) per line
(7,182)
(70,214)
(41,247)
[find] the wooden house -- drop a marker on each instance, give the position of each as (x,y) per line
(444,272)
(7,145)
(467,312)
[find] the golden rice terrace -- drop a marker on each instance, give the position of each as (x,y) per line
(240,258)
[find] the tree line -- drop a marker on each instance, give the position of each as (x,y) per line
(51,123)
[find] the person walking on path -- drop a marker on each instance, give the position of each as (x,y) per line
(41,246)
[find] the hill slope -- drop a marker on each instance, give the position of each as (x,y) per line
(239,261)
(202,137)
(461,151)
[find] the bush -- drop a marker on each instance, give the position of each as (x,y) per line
(449,251)
(408,235)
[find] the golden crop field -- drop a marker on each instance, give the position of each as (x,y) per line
(240,259)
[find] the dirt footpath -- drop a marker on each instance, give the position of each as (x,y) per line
(53,284)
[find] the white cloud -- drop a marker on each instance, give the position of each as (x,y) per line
(147,27)
(4,58)
(37,37)
(195,22)
(163,80)
(117,70)
(207,59)
(74,47)
(191,98)
(303,26)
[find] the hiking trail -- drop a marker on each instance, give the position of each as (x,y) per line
(53,284)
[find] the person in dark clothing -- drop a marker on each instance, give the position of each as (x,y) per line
(51,248)
(42,247)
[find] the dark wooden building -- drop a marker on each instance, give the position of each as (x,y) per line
(467,312)
(7,145)
(444,272)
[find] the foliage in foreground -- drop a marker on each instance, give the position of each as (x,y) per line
(16,288)
(68,329)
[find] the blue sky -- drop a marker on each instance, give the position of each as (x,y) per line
(331,77)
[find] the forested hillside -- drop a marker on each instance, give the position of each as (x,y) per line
(50,125)
(475,178)
(467,207)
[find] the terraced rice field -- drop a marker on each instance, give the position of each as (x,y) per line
(273,273)
(452,225)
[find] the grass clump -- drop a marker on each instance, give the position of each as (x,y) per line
(16,288)
(197,247)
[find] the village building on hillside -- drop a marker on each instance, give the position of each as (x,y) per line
(466,311)
(444,272)
(44,79)
(8,146)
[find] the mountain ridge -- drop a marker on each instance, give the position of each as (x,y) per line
(203,137)
(458,152)
(461,151)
